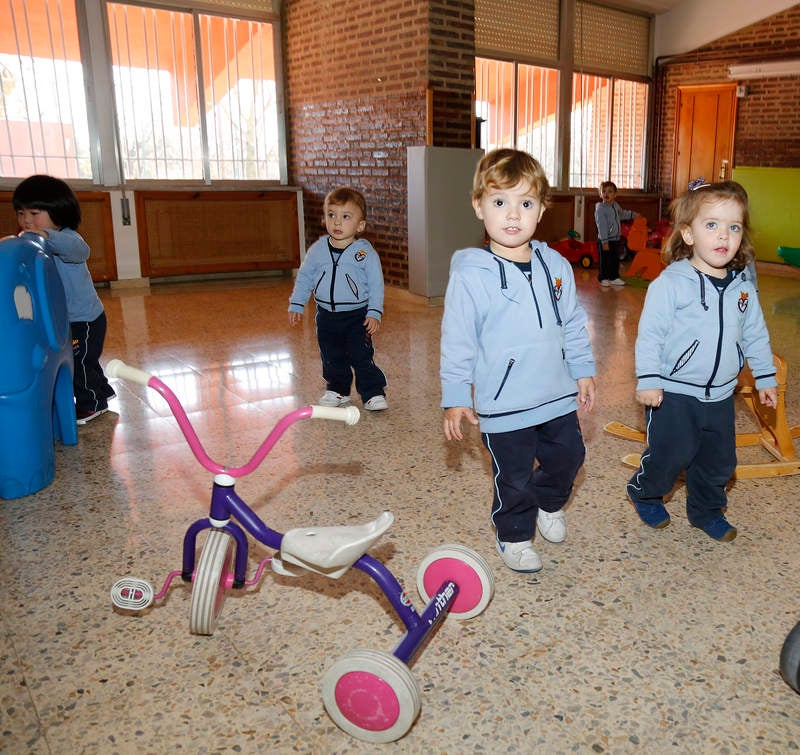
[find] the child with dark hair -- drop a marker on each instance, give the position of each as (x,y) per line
(48,207)
(701,321)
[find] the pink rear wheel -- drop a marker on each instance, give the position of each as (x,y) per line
(467,569)
(371,695)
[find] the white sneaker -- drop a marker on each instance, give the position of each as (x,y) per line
(605,282)
(552,526)
(617,282)
(519,557)
(83,417)
(376,404)
(332,398)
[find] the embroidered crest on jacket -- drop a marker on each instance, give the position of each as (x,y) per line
(744,298)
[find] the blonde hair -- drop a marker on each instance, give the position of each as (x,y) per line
(686,208)
(504,169)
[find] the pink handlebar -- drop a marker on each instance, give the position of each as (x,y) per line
(346,414)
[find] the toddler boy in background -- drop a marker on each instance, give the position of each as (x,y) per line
(344,274)
(610,244)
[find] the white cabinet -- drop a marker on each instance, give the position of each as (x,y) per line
(440,214)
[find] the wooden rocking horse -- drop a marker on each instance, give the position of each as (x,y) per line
(774,433)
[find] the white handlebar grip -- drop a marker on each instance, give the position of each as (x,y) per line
(118,368)
(347,414)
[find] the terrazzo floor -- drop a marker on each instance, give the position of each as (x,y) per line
(629,640)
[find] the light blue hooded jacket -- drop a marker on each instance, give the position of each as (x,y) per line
(355,280)
(511,348)
(694,339)
(70,252)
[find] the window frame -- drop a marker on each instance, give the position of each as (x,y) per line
(94,41)
(565,149)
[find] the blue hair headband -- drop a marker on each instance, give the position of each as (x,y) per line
(698,183)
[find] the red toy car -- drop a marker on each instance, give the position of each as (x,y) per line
(583,253)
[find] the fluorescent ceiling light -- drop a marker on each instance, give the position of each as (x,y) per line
(765,70)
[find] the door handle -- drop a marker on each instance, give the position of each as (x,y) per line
(723,169)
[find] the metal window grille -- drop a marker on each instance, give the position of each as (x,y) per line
(589,129)
(517,105)
(629,116)
(195,95)
(44,124)
(608,131)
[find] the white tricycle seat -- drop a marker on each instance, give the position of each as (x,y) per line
(328,550)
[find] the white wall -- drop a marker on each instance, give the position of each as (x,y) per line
(694,23)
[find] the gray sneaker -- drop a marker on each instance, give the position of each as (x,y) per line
(376,404)
(331,398)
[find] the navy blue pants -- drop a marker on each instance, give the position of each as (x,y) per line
(696,436)
(346,348)
(609,260)
(89,382)
(520,490)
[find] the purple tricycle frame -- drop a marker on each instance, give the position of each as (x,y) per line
(369,694)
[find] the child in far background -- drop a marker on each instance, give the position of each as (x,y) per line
(344,274)
(48,207)
(701,320)
(515,346)
(610,244)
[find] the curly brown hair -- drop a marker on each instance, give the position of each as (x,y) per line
(685,208)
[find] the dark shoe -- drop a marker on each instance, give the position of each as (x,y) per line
(654,515)
(719,529)
(87,415)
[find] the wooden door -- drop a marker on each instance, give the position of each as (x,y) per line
(705,127)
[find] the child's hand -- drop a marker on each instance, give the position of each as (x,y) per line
(650,397)
(294,318)
(372,325)
(586,393)
(768,397)
(452,421)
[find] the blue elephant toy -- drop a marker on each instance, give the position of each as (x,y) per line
(36,398)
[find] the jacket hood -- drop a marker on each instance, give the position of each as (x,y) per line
(685,269)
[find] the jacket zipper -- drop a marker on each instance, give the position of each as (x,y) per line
(333,279)
(717,356)
(505,377)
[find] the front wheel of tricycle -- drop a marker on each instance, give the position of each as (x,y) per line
(210,582)
(371,695)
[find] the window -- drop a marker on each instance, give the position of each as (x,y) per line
(607,131)
(195,96)
(516,105)
(43,115)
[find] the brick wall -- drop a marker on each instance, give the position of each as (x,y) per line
(768,119)
(357,78)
